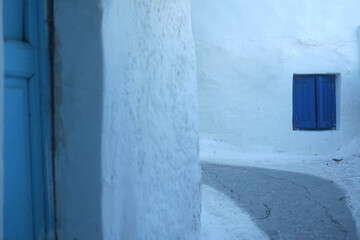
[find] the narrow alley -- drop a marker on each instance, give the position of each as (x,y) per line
(285,205)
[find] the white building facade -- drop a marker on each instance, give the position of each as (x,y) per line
(108,104)
(247,54)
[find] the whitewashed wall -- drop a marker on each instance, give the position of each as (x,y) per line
(126,120)
(150,171)
(247,53)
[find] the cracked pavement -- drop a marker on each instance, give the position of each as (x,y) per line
(285,205)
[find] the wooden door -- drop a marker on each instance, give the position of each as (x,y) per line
(24,195)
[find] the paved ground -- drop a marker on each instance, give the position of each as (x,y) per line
(285,205)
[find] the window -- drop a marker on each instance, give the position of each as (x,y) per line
(314,105)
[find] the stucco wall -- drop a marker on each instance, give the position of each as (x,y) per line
(126,120)
(247,53)
(150,171)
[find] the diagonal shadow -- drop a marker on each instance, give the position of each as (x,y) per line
(285,205)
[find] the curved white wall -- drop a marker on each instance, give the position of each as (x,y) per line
(247,53)
(126,125)
(150,169)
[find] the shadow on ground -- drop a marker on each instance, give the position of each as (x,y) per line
(285,205)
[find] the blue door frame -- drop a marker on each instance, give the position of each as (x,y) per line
(27,87)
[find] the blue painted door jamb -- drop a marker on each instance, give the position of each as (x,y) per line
(27,57)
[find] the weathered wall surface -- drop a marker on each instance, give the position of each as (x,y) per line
(78,113)
(126,120)
(150,171)
(247,53)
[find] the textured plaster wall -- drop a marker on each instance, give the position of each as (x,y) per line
(247,53)
(150,170)
(126,120)
(78,112)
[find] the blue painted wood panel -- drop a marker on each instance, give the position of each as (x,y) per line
(24,214)
(14,14)
(304,111)
(18,210)
(326,104)
(19,59)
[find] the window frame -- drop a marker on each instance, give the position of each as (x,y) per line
(318,122)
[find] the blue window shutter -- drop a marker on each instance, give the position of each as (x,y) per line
(304,112)
(326,105)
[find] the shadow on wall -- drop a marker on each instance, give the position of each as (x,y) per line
(285,205)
